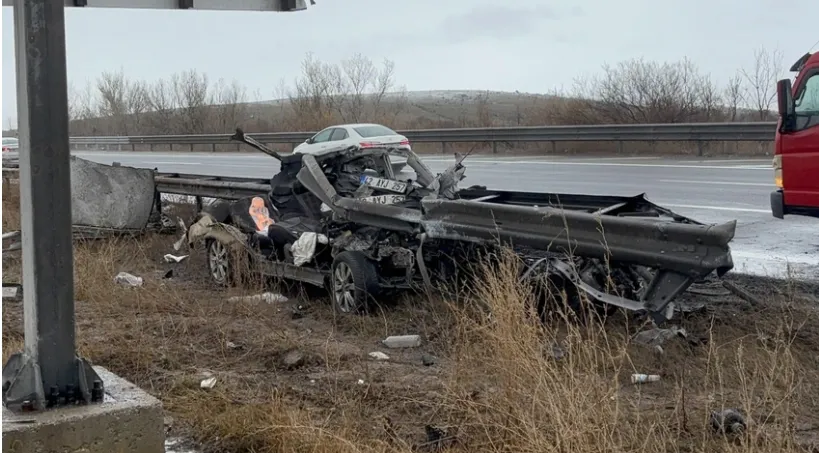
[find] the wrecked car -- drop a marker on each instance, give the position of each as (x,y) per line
(342,220)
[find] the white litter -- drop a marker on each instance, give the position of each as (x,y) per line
(361,382)
(11,292)
(402,341)
(378,355)
(179,243)
(305,247)
(270,298)
(126,279)
(173,258)
(208,383)
(644,378)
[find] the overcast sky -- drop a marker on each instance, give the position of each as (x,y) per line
(525,45)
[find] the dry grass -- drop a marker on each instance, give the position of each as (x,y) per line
(495,388)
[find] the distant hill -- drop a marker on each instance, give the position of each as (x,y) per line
(404,110)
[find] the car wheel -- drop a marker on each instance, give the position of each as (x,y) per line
(219,263)
(353,282)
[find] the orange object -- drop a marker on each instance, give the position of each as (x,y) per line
(261,216)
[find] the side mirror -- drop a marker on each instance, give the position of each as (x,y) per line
(784,96)
(309,141)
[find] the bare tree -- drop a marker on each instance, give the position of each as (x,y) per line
(384,83)
(314,98)
(192,95)
(637,91)
(710,101)
(137,103)
(482,110)
(163,104)
(734,96)
(113,94)
(760,80)
(229,103)
(358,75)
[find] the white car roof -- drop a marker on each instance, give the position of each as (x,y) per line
(357,125)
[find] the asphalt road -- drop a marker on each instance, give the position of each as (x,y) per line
(713,191)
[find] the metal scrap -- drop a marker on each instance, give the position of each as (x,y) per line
(741,293)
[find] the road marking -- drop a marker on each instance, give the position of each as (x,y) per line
(716,208)
(684,181)
(615,164)
(767,161)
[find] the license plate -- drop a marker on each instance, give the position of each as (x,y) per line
(384,184)
(383,199)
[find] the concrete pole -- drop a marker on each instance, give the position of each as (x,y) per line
(47,372)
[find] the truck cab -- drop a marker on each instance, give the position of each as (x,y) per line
(796,157)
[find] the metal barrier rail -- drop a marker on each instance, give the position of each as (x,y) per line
(210,186)
(695,132)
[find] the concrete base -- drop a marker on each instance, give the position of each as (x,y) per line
(128,421)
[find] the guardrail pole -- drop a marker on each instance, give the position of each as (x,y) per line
(48,371)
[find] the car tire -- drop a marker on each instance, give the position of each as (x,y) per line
(353,283)
(220,263)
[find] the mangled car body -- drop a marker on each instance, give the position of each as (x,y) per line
(342,220)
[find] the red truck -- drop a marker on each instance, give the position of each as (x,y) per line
(796,159)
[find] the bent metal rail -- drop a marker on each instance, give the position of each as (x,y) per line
(680,132)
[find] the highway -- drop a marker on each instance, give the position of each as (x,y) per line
(712,191)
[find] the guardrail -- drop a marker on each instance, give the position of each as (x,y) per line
(683,132)
(202,186)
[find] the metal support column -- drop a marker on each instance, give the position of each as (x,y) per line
(48,372)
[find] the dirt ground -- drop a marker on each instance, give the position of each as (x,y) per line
(293,377)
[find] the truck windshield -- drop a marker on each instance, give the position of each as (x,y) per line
(808,100)
(807,103)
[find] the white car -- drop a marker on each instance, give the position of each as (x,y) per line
(11,149)
(362,135)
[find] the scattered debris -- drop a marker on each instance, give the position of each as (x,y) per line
(182,239)
(691,307)
(16,242)
(270,298)
(557,352)
(728,421)
(378,355)
(232,345)
(429,360)
(708,292)
(305,247)
(13,292)
(437,439)
(741,293)
(293,359)
(173,258)
(126,279)
(208,383)
(297,312)
(402,341)
(644,378)
(657,337)
(361,382)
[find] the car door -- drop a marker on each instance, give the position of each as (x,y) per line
(318,141)
(339,137)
